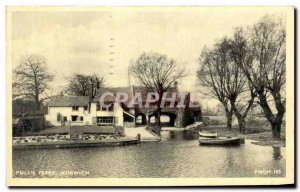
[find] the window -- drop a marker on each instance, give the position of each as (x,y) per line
(74,117)
(105,120)
(65,119)
(104,108)
(85,108)
(81,118)
(111,108)
(75,108)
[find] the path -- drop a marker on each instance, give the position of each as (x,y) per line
(146,136)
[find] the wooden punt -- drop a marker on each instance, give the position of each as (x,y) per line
(207,134)
(220,141)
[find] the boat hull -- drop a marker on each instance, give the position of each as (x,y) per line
(208,135)
(220,141)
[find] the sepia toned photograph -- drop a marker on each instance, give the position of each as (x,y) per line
(150,96)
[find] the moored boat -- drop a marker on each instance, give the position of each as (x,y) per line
(221,141)
(208,134)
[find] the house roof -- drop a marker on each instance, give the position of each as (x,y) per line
(130,90)
(144,92)
(68,101)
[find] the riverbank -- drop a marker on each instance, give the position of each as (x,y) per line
(260,134)
(84,137)
(76,143)
(86,129)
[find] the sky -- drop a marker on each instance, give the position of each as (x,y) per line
(85,40)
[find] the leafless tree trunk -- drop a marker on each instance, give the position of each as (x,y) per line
(229,114)
(241,112)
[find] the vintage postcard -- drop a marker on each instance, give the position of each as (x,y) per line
(150,96)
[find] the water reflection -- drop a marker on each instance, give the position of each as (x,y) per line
(180,135)
(277,153)
(176,135)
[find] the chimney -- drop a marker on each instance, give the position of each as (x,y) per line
(90,91)
(175,85)
(187,100)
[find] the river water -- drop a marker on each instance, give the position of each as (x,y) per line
(170,158)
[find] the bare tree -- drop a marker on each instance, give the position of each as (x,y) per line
(222,79)
(264,66)
(211,77)
(79,84)
(31,78)
(247,93)
(156,72)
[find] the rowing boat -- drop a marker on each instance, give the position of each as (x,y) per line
(220,141)
(207,134)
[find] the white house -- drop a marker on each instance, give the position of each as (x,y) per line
(76,110)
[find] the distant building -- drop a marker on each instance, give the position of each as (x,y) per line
(68,109)
(87,110)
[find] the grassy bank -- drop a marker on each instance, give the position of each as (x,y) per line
(86,129)
(259,132)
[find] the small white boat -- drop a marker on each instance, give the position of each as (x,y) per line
(221,141)
(208,134)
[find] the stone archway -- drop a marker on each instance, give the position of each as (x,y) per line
(140,119)
(172,117)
